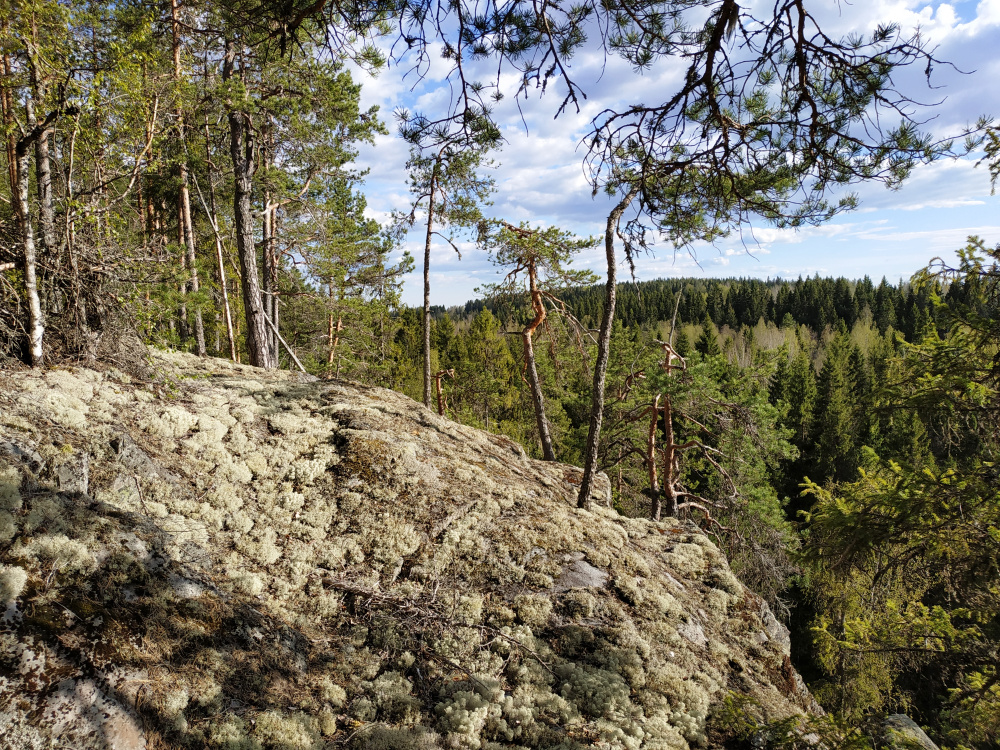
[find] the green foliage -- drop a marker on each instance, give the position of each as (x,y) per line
(904,566)
(903,561)
(740,719)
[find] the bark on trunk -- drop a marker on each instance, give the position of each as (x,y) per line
(36,325)
(193,286)
(669,459)
(529,363)
(47,215)
(654,481)
(214,218)
(427,291)
(241,149)
(333,335)
(270,298)
(440,393)
(7,104)
(187,228)
(603,350)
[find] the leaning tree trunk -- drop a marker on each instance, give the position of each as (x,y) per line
(427,291)
(193,286)
(603,351)
(220,262)
(529,364)
(270,268)
(241,148)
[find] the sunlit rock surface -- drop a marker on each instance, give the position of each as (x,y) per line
(229,558)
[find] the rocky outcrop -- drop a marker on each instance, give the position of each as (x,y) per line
(230,558)
(902,733)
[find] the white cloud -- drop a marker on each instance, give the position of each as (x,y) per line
(945,203)
(541,179)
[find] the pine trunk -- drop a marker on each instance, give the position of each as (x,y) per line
(427,293)
(669,459)
(603,351)
(529,365)
(214,218)
(654,481)
(241,148)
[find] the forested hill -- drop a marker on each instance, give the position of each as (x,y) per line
(814,302)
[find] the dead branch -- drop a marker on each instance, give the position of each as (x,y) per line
(442,403)
(412,608)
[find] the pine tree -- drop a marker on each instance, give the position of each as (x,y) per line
(540,261)
(446,183)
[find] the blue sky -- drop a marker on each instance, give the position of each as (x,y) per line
(540,178)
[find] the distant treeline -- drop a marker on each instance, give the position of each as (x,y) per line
(814,302)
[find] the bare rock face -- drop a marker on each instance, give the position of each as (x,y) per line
(232,558)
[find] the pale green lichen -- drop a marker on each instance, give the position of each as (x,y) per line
(532,609)
(58,552)
(287,732)
(462,717)
(12,582)
(392,695)
(65,409)
(248,583)
(596,692)
(387,738)
(169,422)
(231,734)
(332,693)
(8,528)
(687,560)
(261,548)
(469,609)
(10,488)
(173,705)
(723,578)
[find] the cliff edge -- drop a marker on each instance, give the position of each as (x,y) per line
(232,558)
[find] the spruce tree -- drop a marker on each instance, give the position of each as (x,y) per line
(708,342)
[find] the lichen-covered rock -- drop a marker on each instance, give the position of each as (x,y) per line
(259,560)
(902,733)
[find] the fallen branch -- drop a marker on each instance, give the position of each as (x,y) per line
(710,519)
(285,344)
(410,607)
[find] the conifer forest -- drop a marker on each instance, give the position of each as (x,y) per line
(181,174)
